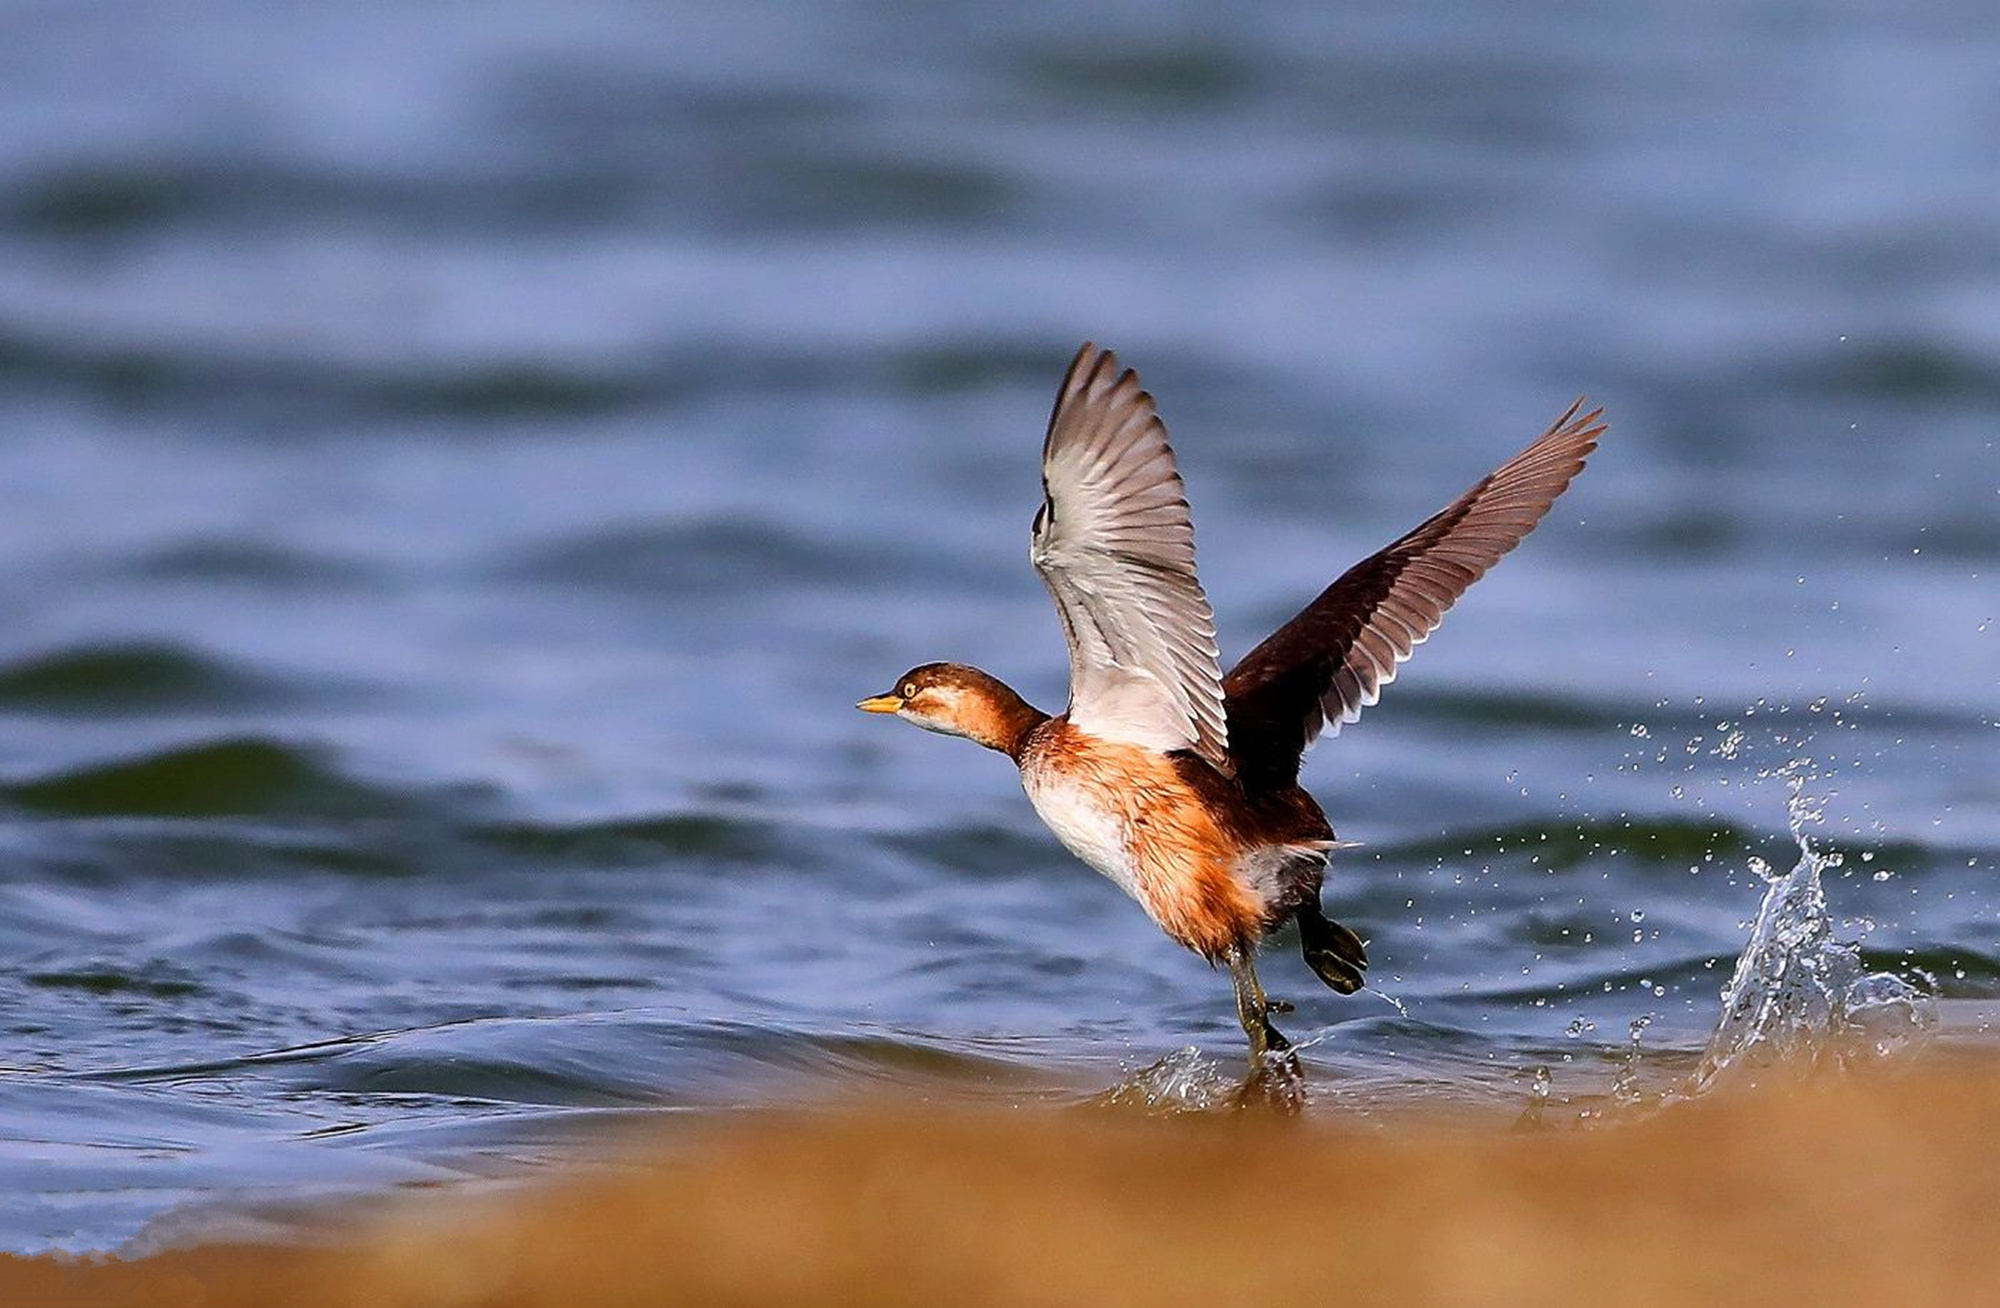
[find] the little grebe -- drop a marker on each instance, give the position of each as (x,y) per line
(1176,781)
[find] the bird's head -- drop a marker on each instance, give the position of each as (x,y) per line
(957,700)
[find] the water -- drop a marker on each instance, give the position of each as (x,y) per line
(1800,995)
(460,473)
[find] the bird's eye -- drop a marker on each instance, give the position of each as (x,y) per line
(909,690)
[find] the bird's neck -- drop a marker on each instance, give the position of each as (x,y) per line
(1000,719)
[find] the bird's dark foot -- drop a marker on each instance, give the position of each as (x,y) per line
(1276,1082)
(1266,1039)
(1332,951)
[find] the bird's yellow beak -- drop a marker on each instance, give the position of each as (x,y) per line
(880,704)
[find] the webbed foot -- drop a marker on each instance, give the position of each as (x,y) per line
(1331,950)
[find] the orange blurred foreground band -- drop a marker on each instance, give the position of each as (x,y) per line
(1881,1190)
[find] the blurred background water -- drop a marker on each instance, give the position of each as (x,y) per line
(463,462)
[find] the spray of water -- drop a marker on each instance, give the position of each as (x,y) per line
(1185,1081)
(1798,995)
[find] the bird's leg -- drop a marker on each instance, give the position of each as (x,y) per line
(1276,1082)
(1253,1009)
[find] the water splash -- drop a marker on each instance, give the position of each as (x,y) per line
(1625,1085)
(1386,998)
(1185,1081)
(1798,995)
(1190,1081)
(1534,1117)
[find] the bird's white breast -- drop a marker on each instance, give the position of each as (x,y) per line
(1088,828)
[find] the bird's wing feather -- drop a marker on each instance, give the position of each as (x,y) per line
(1115,547)
(1331,661)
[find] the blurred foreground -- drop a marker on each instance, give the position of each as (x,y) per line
(1855,1189)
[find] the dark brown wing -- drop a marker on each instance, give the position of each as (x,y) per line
(1332,660)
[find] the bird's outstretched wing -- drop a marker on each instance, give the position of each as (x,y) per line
(1332,659)
(1116,549)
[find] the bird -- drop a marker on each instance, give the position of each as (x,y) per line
(1177,781)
